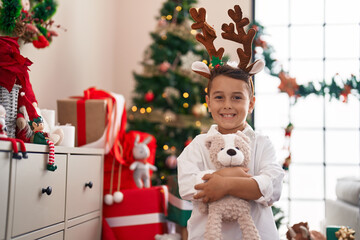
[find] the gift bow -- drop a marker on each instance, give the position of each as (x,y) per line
(92,93)
(345,233)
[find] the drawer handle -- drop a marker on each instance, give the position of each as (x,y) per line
(89,184)
(47,190)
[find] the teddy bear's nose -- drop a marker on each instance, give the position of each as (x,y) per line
(231,152)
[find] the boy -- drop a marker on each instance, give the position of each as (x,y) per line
(230,99)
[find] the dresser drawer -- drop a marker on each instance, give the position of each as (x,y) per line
(4,189)
(55,236)
(89,230)
(82,198)
(32,208)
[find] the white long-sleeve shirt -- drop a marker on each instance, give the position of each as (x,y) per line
(194,162)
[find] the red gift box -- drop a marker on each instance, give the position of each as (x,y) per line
(126,175)
(141,214)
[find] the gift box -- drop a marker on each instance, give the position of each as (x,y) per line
(141,214)
(88,116)
(179,210)
(332,233)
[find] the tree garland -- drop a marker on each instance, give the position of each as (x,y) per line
(338,88)
(29,20)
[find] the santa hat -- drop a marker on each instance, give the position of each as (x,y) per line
(30,109)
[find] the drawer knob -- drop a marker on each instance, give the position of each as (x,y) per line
(89,184)
(47,190)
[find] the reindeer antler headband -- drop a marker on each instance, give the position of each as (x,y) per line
(208,36)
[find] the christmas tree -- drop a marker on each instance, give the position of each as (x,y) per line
(169,100)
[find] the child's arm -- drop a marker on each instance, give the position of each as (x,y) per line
(264,187)
(191,168)
(217,187)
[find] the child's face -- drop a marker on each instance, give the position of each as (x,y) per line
(229,103)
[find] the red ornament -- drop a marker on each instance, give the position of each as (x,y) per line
(149,96)
(42,42)
(164,67)
(188,141)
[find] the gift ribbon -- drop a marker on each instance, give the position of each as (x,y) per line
(179,203)
(133,220)
(165,193)
(92,93)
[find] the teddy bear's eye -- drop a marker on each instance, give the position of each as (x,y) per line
(237,148)
(222,149)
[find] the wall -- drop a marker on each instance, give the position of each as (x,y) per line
(104,44)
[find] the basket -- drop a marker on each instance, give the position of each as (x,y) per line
(10,102)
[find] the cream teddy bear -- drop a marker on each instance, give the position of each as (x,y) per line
(229,150)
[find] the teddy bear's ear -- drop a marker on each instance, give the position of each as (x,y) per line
(208,142)
(243,136)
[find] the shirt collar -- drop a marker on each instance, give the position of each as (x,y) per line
(248,131)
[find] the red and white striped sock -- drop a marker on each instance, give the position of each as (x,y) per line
(51,152)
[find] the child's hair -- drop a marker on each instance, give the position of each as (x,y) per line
(231,72)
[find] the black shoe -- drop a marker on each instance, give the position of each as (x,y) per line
(24,155)
(16,156)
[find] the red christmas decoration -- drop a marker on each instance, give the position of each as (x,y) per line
(288,84)
(42,42)
(149,96)
(188,141)
(164,67)
(346,92)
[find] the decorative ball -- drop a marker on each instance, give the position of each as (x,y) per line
(171,161)
(169,116)
(118,197)
(188,141)
(162,22)
(164,67)
(149,96)
(199,110)
(108,199)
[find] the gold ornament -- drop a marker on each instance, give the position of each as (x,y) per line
(199,110)
(169,116)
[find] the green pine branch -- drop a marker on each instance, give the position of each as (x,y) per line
(9,13)
(44,10)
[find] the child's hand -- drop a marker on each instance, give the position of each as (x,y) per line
(233,172)
(213,189)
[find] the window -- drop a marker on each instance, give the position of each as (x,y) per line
(313,40)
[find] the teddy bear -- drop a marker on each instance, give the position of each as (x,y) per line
(229,150)
(140,166)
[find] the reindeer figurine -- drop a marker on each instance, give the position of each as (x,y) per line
(140,166)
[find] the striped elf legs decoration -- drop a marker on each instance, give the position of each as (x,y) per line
(51,162)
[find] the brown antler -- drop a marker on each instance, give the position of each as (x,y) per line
(241,37)
(208,33)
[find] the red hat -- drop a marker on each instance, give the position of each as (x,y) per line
(30,109)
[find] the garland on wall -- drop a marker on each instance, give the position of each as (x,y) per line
(337,89)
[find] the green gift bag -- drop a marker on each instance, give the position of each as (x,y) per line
(179,210)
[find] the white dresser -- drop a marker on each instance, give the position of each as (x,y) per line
(39,204)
